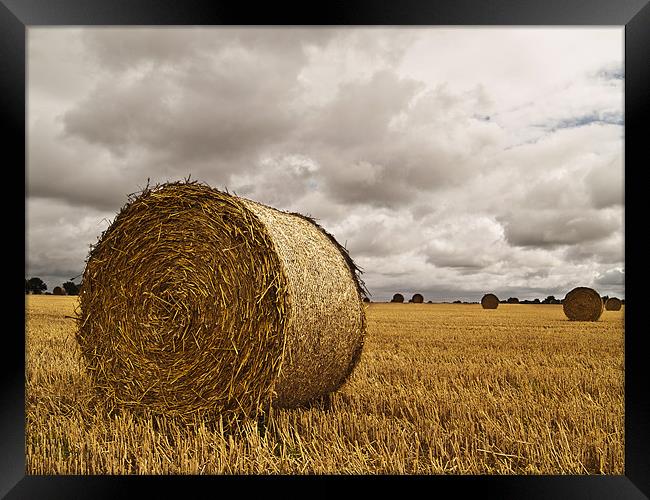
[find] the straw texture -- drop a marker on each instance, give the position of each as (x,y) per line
(490,301)
(583,304)
(200,303)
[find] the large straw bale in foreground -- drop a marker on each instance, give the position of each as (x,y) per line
(613,304)
(199,302)
(490,301)
(583,304)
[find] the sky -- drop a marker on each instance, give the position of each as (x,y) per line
(450,162)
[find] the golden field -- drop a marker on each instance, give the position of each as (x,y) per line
(440,389)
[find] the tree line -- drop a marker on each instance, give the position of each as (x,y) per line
(37,286)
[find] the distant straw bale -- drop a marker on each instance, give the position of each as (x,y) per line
(490,301)
(583,304)
(196,302)
(57,290)
(613,304)
(417,298)
(398,297)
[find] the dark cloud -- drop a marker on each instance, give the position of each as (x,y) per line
(551,228)
(219,112)
(380,237)
(367,183)
(460,258)
(72,171)
(611,277)
(607,251)
(605,184)
(59,238)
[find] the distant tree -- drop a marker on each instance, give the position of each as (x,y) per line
(549,300)
(457,302)
(513,300)
(536,301)
(35,285)
(73,289)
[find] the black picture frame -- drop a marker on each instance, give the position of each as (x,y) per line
(16,16)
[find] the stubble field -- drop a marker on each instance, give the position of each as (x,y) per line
(440,389)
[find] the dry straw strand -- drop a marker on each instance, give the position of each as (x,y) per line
(198,303)
(613,304)
(583,304)
(490,301)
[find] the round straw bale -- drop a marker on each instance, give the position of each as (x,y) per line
(613,304)
(398,297)
(57,290)
(200,303)
(583,304)
(490,301)
(417,298)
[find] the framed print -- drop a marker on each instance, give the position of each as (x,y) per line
(360,242)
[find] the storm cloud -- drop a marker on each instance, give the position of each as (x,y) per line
(448,161)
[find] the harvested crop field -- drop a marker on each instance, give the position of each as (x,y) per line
(439,389)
